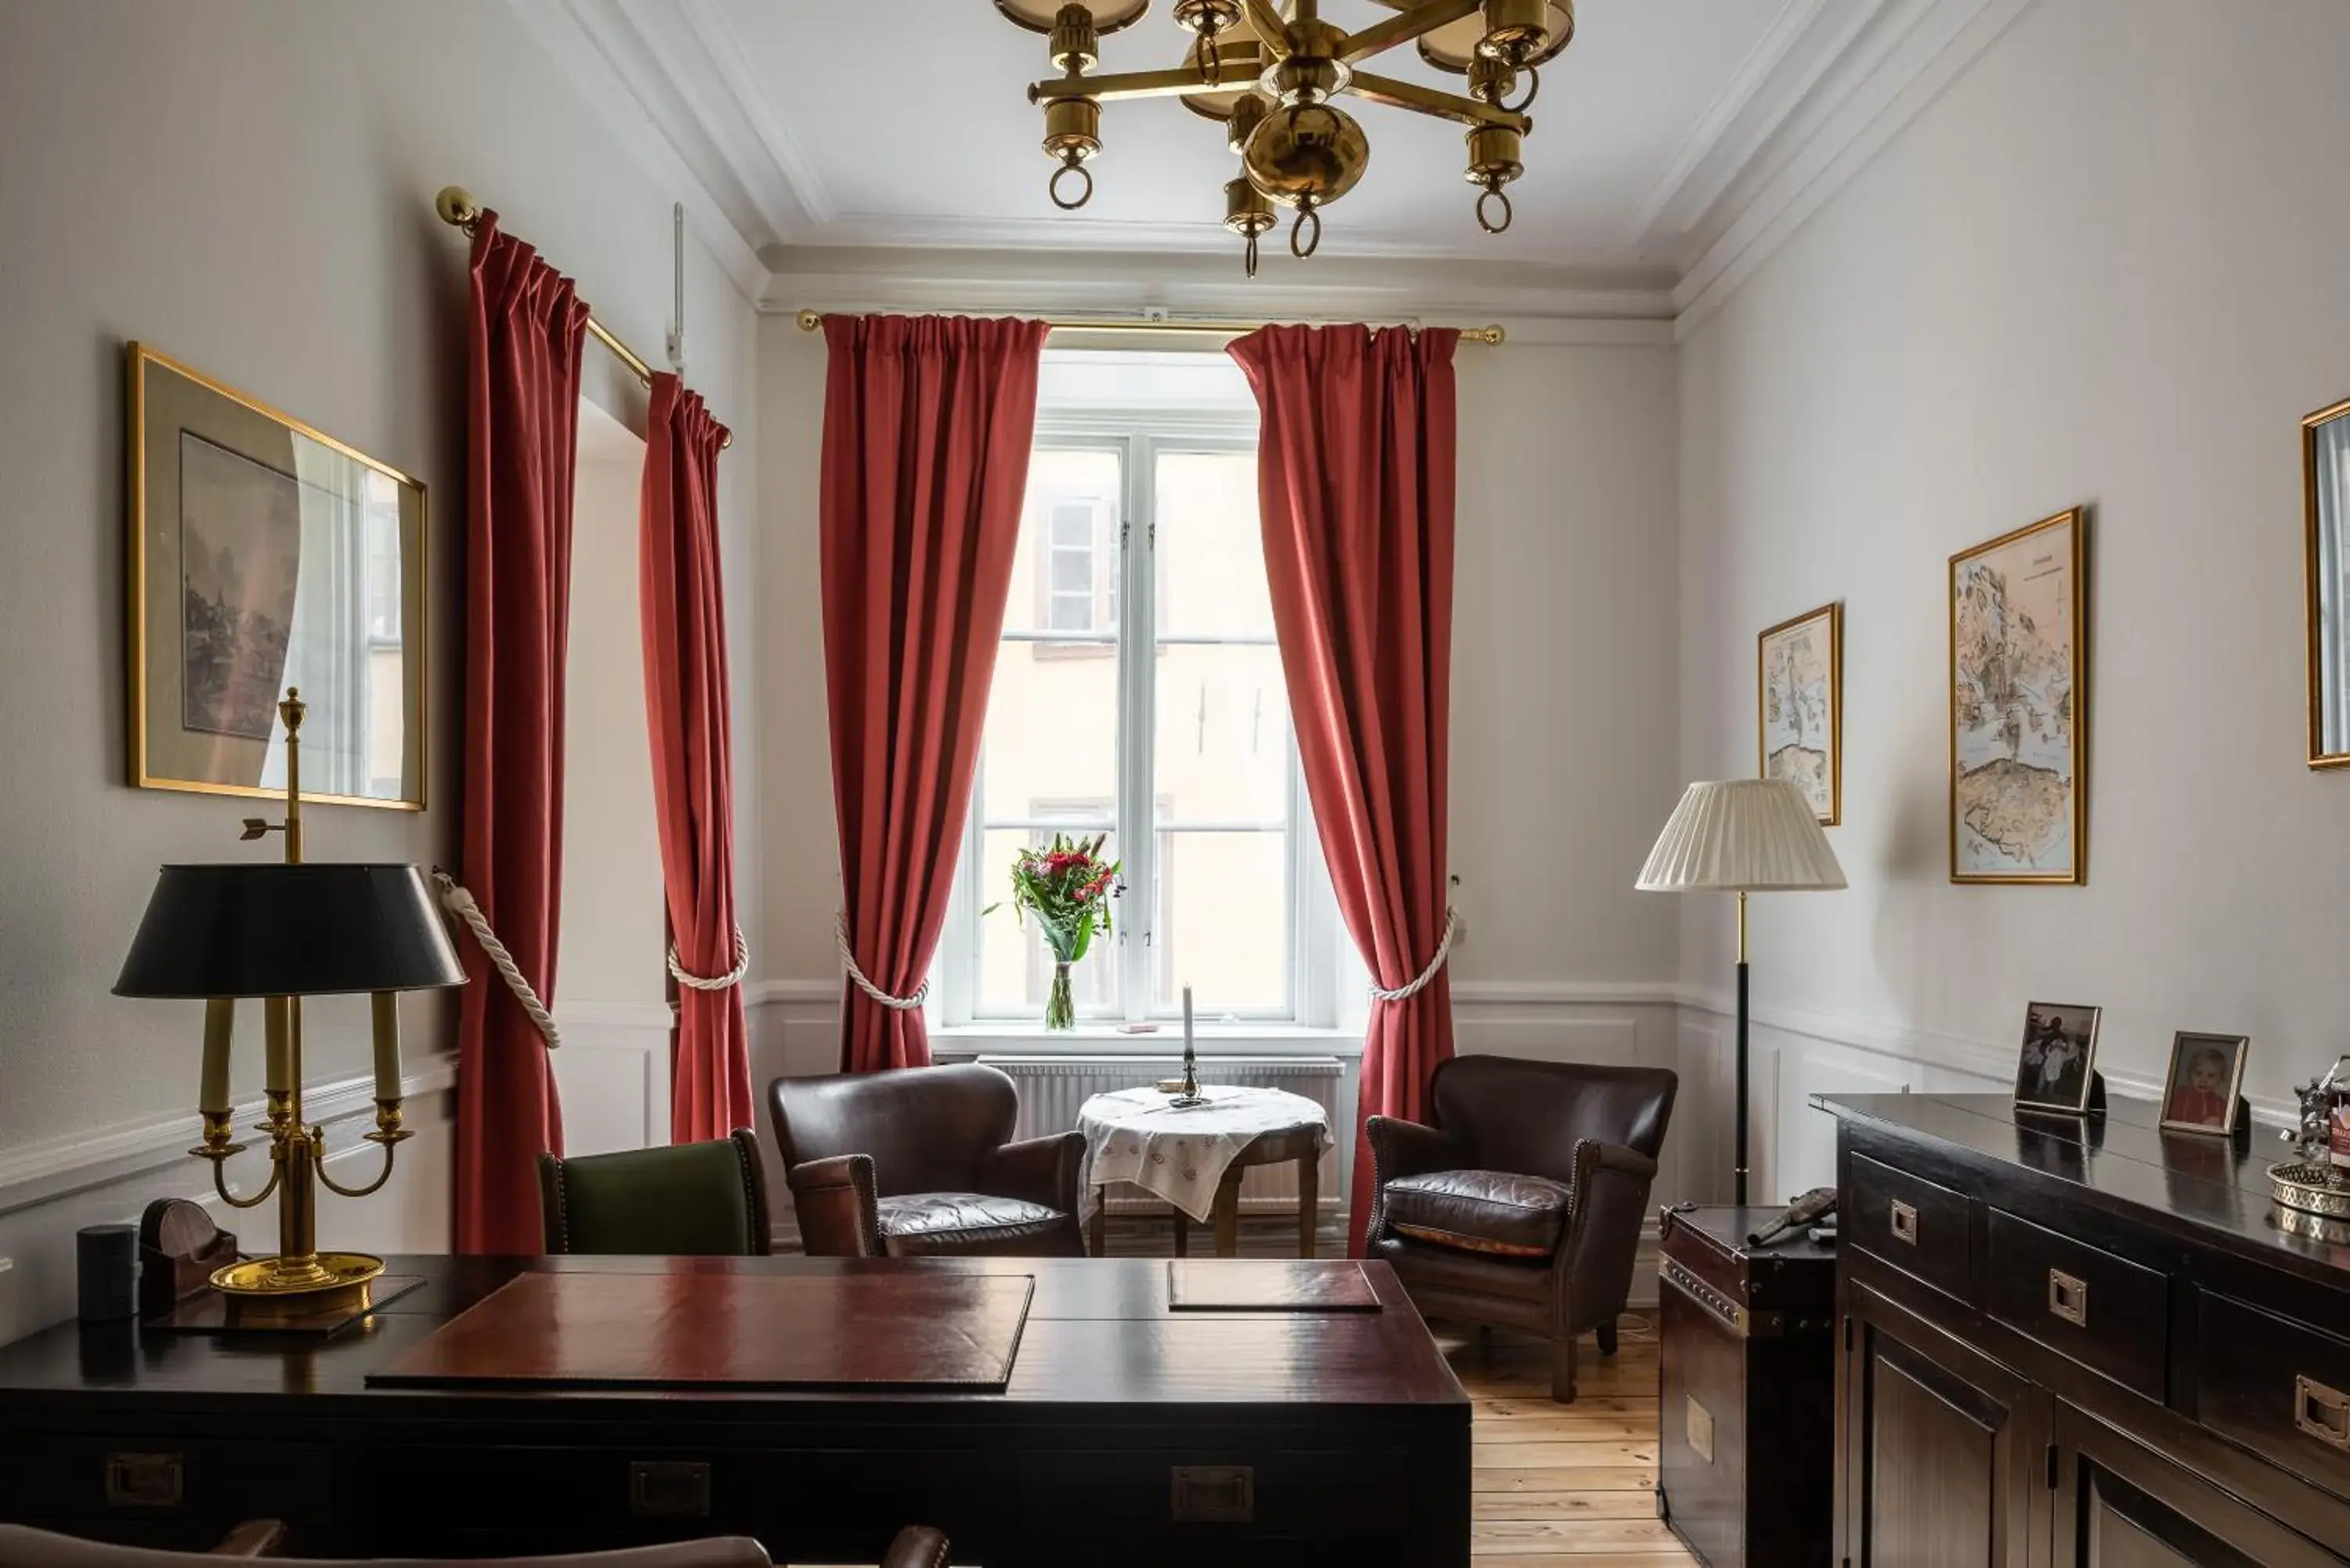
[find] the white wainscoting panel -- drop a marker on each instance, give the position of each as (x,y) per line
(612,1072)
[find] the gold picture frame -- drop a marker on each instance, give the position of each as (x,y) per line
(2326,556)
(2019,681)
(2179,1080)
(1789,657)
(261,553)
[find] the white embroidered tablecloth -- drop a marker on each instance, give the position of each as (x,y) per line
(1180,1154)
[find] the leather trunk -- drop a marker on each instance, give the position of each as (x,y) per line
(1746,1423)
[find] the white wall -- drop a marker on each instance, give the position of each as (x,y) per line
(2103,269)
(247,185)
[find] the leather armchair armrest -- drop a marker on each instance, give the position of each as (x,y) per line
(1040,1170)
(1401,1148)
(1603,1232)
(836,1199)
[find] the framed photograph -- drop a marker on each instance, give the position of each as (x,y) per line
(2019,706)
(2060,1056)
(1799,704)
(2207,1073)
(263,555)
(2326,493)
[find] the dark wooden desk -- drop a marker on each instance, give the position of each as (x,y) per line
(2081,1343)
(1126,1428)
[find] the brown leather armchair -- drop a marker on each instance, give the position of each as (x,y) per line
(919,1164)
(1521,1207)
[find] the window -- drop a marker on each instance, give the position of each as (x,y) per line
(1139,694)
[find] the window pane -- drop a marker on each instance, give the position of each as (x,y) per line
(1209,555)
(1015,967)
(1224,922)
(1074,500)
(1052,726)
(1222,752)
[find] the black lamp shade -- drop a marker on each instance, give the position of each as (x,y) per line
(312,929)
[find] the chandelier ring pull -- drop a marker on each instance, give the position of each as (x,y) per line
(1533,87)
(1084,192)
(1494,194)
(1304,242)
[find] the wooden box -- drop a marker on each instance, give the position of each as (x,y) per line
(1746,1423)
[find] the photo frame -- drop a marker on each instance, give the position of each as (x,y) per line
(263,554)
(1799,707)
(2019,705)
(2056,1068)
(2325,580)
(2201,1089)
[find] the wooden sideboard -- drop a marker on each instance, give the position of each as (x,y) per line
(2080,1343)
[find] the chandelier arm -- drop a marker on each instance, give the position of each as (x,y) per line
(1265,19)
(1124,84)
(1404,27)
(1420,99)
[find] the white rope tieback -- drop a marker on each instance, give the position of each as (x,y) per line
(1443,951)
(894,1003)
(692,982)
(461,904)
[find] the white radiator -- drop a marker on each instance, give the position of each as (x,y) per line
(1052,1089)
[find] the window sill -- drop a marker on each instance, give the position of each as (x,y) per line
(963,1041)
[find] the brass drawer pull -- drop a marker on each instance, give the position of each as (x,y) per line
(2324,1413)
(669,1488)
(2068,1298)
(144,1480)
(1905,1222)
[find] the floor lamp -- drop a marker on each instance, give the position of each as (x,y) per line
(1742,836)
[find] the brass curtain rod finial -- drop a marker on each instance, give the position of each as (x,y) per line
(811,320)
(457,207)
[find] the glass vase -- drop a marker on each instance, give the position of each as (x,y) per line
(1060,1009)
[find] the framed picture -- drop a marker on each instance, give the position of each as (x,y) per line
(2207,1073)
(2019,706)
(2058,1065)
(264,554)
(1799,704)
(2325,492)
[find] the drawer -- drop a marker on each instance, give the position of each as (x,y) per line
(204,1483)
(2279,1388)
(1918,1227)
(2107,1313)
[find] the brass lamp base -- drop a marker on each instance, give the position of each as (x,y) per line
(323,1285)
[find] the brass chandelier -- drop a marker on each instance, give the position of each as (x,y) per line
(1272,73)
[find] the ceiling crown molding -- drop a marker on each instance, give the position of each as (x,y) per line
(1828,84)
(1896,58)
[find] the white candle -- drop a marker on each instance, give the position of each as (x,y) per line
(278,1018)
(220,1021)
(387,1045)
(1187,1018)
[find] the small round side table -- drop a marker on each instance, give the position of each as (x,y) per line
(1278,1127)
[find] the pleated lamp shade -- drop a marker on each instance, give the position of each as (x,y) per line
(1742,835)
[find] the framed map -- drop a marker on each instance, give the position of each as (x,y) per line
(2019,799)
(1799,704)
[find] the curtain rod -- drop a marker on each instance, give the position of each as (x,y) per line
(460,210)
(1493,337)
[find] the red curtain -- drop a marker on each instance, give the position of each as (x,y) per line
(686,709)
(1354,472)
(522,335)
(927,423)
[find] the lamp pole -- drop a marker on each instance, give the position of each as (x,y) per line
(1737,1189)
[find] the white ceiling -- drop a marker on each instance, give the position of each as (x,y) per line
(1667,137)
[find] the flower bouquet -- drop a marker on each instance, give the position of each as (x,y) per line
(1067,886)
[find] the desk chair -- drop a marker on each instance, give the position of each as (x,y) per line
(690,1199)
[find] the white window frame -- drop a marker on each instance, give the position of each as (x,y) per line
(1317,947)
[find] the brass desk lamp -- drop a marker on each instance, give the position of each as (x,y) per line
(280,932)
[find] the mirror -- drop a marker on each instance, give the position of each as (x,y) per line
(263,555)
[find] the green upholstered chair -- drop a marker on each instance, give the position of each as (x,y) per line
(691,1199)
